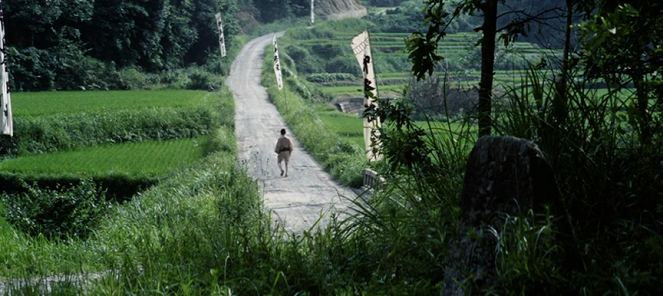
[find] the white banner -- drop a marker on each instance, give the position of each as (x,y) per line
(312,13)
(6,122)
(277,64)
(361,46)
(222,40)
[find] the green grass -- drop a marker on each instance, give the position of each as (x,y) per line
(347,126)
(51,103)
(5,228)
(152,158)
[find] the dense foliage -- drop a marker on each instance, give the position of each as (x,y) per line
(82,44)
(601,145)
(58,213)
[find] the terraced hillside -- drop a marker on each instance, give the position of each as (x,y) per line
(337,73)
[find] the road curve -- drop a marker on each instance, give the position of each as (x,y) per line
(308,192)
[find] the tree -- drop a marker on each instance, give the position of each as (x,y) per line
(204,22)
(271,10)
(37,22)
(128,32)
(179,32)
(45,43)
(622,44)
(422,47)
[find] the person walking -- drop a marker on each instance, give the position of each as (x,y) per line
(283,149)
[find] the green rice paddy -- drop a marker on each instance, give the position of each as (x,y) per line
(347,126)
(50,103)
(151,158)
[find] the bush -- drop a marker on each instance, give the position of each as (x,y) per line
(201,79)
(304,61)
(406,18)
(344,64)
(385,3)
(57,214)
(330,77)
(132,78)
(62,67)
(329,50)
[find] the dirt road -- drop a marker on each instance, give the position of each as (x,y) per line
(308,192)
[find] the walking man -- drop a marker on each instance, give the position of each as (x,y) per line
(283,149)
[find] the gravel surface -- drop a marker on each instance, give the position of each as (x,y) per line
(308,192)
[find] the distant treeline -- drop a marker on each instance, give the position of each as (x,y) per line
(78,44)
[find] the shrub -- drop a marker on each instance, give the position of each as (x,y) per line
(60,213)
(330,77)
(201,79)
(329,50)
(304,61)
(62,67)
(344,64)
(132,78)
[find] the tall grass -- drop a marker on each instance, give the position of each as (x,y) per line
(610,182)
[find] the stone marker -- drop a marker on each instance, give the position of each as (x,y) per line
(504,175)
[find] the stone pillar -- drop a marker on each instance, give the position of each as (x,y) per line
(504,175)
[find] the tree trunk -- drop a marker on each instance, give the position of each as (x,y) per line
(489,28)
(643,118)
(560,110)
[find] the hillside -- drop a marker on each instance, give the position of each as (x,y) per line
(337,9)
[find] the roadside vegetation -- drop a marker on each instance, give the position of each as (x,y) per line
(607,171)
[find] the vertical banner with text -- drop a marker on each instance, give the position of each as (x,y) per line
(277,64)
(222,40)
(361,46)
(6,123)
(312,12)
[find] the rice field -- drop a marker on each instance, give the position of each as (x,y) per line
(149,158)
(393,73)
(347,126)
(146,157)
(67,102)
